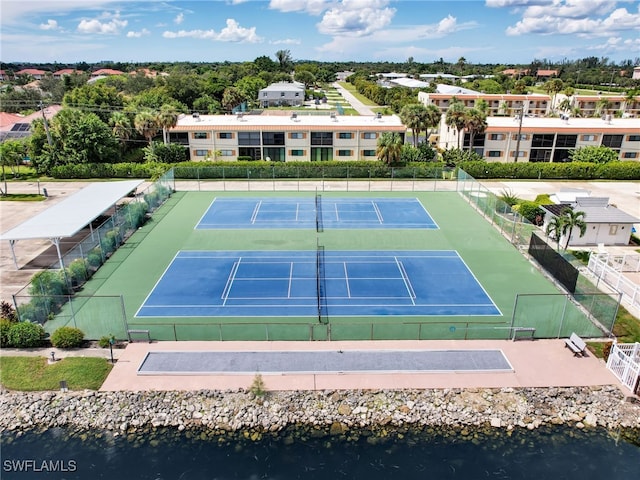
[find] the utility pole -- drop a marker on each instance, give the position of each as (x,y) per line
(519,130)
(46,125)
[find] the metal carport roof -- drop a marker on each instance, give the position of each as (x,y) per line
(68,217)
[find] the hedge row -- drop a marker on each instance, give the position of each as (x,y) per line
(109,170)
(358,169)
(565,171)
(334,169)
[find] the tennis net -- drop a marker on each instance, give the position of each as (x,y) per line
(319,226)
(320,280)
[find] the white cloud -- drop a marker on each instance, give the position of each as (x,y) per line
(617,44)
(233,32)
(179,18)
(313,7)
(516,3)
(111,27)
(356,18)
(576,17)
(50,25)
(142,33)
(286,41)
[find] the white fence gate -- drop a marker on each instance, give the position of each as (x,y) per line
(624,362)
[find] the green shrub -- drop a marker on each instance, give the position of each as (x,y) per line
(531,211)
(7,312)
(94,257)
(48,282)
(258,387)
(78,272)
(5,328)
(26,335)
(105,341)
(67,337)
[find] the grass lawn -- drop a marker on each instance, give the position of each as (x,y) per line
(626,329)
(354,92)
(21,197)
(35,374)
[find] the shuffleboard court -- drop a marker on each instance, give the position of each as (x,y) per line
(348,361)
(347,213)
(313,283)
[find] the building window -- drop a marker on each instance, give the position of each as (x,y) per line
(612,141)
(226,153)
(282,94)
(630,155)
(496,136)
(297,94)
(345,135)
(369,135)
(368,153)
(264,94)
(344,153)
(273,138)
(633,138)
(297,153)
(523,136)
(542,140)
(296,135)
(248,138)
(200,135)
(588,138)
(566,141)
(202,153)
(223,135)
(613,229)
(494,153)
(321,138)
(521,153)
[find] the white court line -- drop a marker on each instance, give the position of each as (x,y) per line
(346,279)
(255,212)
(407,282)
(230,279)
(290,279)
(377,210)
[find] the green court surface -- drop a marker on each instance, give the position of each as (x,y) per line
(503,272)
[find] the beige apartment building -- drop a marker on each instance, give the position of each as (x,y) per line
(547,139)
(294,137)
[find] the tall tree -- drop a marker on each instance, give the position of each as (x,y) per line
(389,147)
(572,219)
(285,60)
(432,118)
(11,154)
(121,128)
(167,118)
(455,117)
(475,122)
(231,98)
(414,116)
(146,123)
(554,229)
(553,87)
(305,77)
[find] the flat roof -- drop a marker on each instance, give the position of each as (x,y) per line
(68,217)
(301,121)
(580,125)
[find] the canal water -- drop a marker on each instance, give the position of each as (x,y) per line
(546,453)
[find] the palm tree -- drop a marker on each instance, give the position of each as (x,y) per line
(602,106)
(554,229)
(284,59)
(146,123)
(432,118)
(570,220)
(455,116)
(413,115)
(389,147)
(553,87)
(121,128)
(231,98)
(629,99)
(475,122)
(167,118)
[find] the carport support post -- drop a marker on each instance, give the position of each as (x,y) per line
(56,242)
(13,253)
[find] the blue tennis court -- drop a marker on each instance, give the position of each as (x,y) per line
(369,213)
(287,283)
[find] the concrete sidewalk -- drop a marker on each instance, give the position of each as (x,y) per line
(540,363)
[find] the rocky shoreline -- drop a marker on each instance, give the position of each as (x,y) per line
(327,412)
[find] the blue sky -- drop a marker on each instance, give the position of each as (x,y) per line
(481,31)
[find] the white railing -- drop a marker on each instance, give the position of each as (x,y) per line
(610,269)
(624,362)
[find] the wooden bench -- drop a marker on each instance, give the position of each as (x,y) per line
(576,344)
(527,332)
(139,332)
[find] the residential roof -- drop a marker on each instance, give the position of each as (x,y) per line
(74,213)
(300,122)
(283,87)
(596,210)
(106,71)
(546,73)
(31,71)
(454,90)
(67,71)
(409,82)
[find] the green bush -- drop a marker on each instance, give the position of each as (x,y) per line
(105,341)
(94,257)
(7,312)
(78,272)
(567,171)
(26,335)
(5,328)
(531,211)
(67,337)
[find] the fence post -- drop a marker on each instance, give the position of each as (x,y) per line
(124,315)
(175,333)
(564,311)
(513,316)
